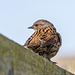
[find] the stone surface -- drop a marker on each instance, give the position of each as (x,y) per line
(17,60)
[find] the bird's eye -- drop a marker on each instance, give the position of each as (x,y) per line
(36,24)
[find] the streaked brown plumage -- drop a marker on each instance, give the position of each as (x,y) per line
(45,41)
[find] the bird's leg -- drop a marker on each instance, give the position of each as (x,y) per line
(47,57)
(45,54)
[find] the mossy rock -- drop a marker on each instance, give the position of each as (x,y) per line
(17,60)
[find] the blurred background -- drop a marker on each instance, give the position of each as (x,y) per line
(17,15)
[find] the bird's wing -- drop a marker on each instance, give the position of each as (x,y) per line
(42,37)
(48,37)
(48,40)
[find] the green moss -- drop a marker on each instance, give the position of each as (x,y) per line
(25,62)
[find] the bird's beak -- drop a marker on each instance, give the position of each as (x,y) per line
(30,27)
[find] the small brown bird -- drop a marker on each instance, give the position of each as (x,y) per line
(45,41)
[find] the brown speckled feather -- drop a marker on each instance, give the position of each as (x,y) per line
(43,37)
(45,41)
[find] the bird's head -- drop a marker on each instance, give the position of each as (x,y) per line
(39,24)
